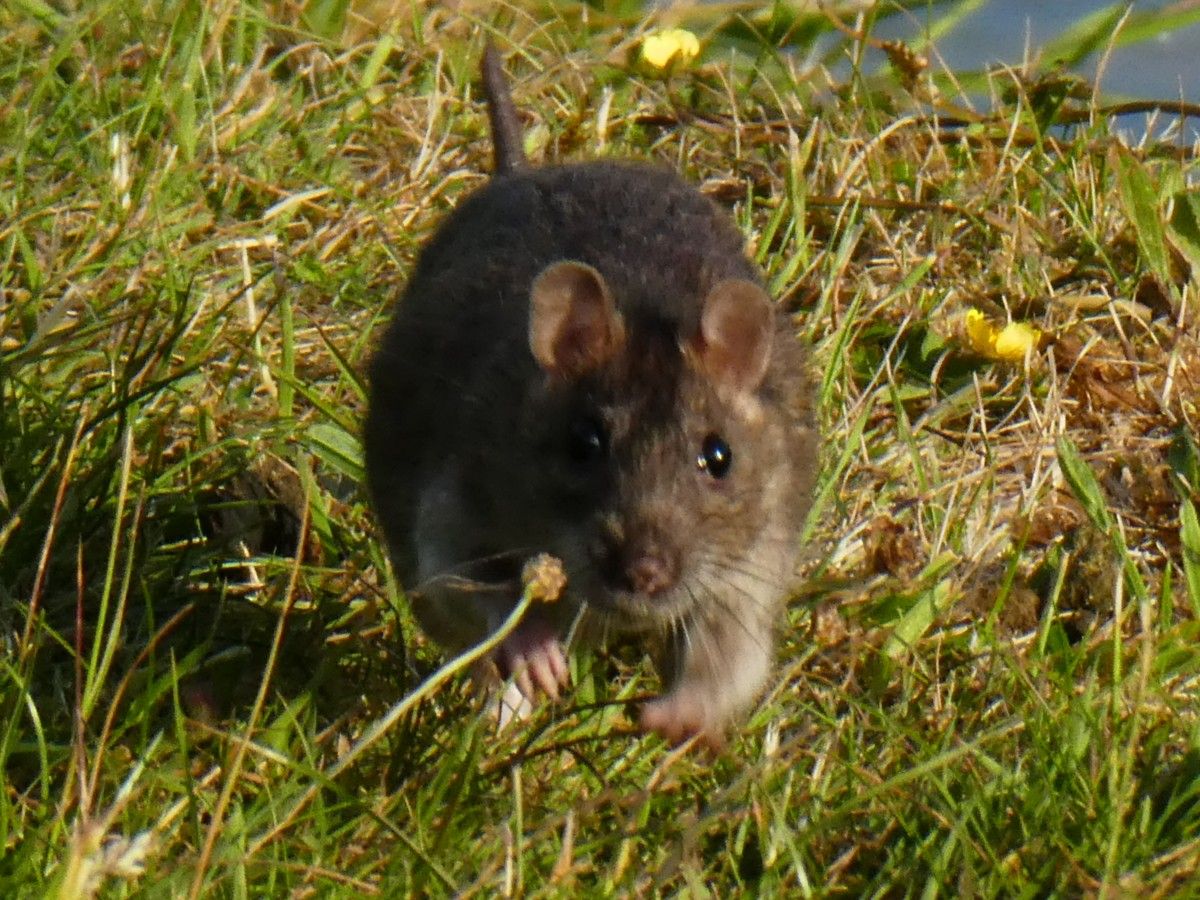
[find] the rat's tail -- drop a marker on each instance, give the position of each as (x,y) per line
(508,145)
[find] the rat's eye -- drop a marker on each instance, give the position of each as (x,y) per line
(586,440)
(715,456)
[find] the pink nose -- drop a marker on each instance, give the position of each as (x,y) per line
(651,573)
(642,560)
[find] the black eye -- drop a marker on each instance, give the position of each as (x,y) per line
(715,456)
(586,441)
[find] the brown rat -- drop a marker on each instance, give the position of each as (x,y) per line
(585,363)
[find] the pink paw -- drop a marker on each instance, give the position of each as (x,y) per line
(679,716)
(533,657)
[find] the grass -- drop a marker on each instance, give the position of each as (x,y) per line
(208,683)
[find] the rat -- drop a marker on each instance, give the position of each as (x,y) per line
(585,363)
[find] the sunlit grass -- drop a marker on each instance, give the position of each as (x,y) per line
(208,681)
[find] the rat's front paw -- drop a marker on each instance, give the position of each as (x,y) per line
(684,714)
(533,657)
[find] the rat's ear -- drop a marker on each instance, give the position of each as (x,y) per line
(733,345)
(573,325)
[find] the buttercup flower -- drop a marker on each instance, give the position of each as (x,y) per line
(1008,344)
(661,49)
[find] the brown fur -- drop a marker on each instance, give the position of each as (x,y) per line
(468,437)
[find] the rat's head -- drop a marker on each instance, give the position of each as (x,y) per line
(664,449)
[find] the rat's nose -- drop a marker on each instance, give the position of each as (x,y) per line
(652,572)
(642,560)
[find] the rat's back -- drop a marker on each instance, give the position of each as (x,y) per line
(657,241)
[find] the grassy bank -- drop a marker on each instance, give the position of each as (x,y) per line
(987,684)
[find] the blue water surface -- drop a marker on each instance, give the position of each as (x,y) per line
(1166,67)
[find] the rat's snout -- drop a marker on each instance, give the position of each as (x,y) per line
(638,558)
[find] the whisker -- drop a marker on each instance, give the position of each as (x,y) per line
(732,614)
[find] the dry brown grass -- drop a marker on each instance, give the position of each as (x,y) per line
(988,681)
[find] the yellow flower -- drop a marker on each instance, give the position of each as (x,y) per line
(1008,344)
(1016,339)
(670,46)
(543,577)
(980,334)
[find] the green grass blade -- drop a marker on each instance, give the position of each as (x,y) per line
(1189,548)
(1139,198)
(1087,491)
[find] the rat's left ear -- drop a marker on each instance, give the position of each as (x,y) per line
(574,326)
(733,344)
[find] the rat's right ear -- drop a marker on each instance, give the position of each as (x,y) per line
(733,344)
(574,327)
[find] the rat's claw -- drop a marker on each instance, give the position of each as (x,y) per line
(534,658)
(558,665)
(520,674)
(677,718)
(539,668)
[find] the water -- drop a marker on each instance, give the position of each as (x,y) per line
(1161,68)
(1006,32)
